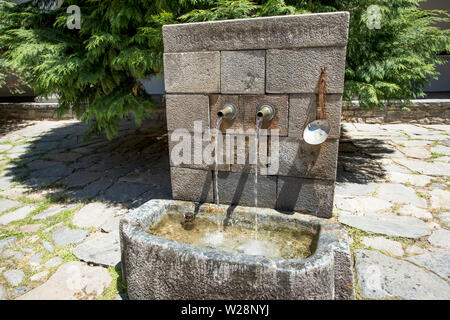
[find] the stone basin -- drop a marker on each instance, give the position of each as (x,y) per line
(158,268)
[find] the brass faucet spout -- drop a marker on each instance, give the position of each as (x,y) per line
(265,111)
(228,112)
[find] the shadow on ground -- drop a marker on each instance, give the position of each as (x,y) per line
(133,167)
(359,159)
(130,169)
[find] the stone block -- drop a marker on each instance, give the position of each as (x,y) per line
(326,274)
(243,72)
(192,72)
(298,70)
(239,189)
(250,103)
(309,196)
(183,110)
(189,151)
(293,31)
(191,184)
(299,159)
(303,110)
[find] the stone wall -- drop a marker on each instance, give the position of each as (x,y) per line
(47,110)
(31,111)
(247,63)
(426,111)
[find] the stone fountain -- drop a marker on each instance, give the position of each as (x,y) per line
(226,75)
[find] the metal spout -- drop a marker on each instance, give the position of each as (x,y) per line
(228,112)
(265,111)
(188,221)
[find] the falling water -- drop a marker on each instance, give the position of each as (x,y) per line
(258,126)
(217,237)
(216,160)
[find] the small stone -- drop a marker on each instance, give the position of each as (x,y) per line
(29,228)
(413,250)
(414,179)
(52,227)
(15,192)
(125,191)
(39,276)
(14,277)
(112,225)
(380,243)
(411,143)
(48,246)
(2,293)
(104,249)
(65,236)
(445,218)
(416,152)
(7,241)
(440,199)
(355,189)
(410,210)
(6,204)
(396,226)
(36,260)
(398,193)
(368,204)
(435,185)
(438,262)
(21,290)
(63,156)
(441,150)
(8,253)
(440,238)
(382,277)
(53,262)
(73,280)
(34,238)
(5,183)
(427,168)
(81,178)
(53,211)
(16,215)
(92,215)
(5,147)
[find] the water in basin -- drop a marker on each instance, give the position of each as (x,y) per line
(272,242)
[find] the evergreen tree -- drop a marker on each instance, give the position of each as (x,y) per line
(96,69)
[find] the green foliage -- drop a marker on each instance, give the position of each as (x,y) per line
(95,70)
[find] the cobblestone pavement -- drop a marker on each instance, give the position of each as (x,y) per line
(61,200)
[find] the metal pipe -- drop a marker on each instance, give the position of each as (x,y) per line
(265,111)
(228,112)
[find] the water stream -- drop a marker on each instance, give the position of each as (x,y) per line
(258,126)
(217,237)
(216,160)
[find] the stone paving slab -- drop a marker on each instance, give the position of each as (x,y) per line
(6,204)
(73,281)
(65,236)
(395,226)
(438,262)
(103,249)
(383,277)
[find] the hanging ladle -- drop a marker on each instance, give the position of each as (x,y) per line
(317,131)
